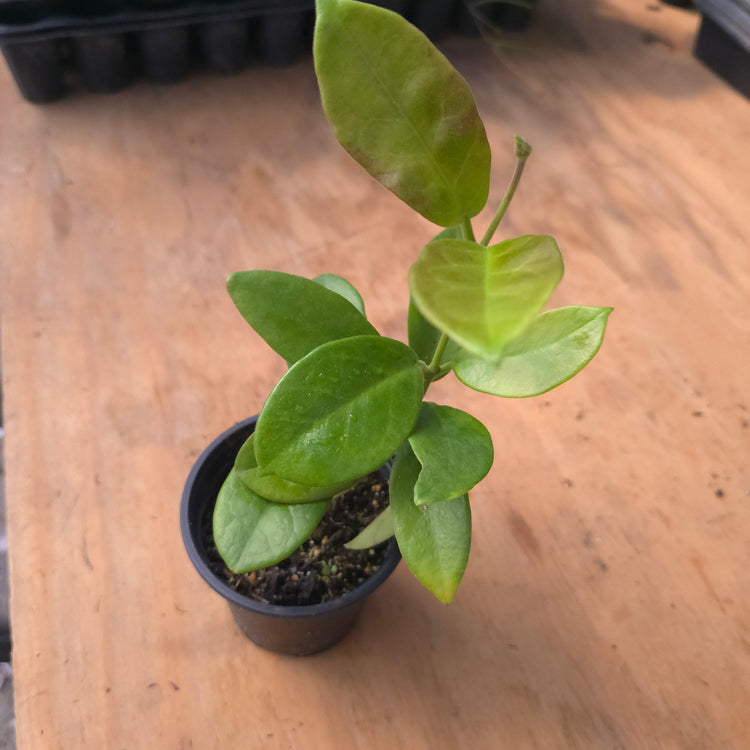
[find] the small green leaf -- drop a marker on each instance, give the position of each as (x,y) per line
(434,539)
(341,412)
(450,233)
(401,110)
(423,336)
(557,345)
(245,458)
(292,314)
(377,531)
(342,287)
(483,297)
(275,488)
(455,451)
(251,532)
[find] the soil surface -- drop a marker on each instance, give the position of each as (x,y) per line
(321,569)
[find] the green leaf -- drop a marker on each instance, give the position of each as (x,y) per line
(423,336)
(483,297)
(275,488)
(434,539)
(245,458)
(554,347)
(342,287)
(401,110)
(292,314)
(455,451)
(251,532)
(340,412)
(377,531)
(450,233)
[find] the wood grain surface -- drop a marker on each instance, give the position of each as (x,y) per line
(607,600)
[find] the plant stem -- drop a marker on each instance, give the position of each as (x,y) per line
(434,366)
(523,151)
(467,230)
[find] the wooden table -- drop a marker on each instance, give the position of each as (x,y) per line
(607,599)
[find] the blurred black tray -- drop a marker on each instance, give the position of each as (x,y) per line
(32,20)
(52,51)
(723,42)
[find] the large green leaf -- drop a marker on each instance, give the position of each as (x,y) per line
(401,110)
(343,288)
(434,539)
(483,297)
(340,412)
(554,347)
(377,531)
(251,532)
(455,451)
(292,314)
(275,488)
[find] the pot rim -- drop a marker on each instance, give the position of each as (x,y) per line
(393,554)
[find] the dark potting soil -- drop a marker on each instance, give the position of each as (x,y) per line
(321,569)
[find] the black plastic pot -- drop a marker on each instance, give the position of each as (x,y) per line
(284,37)
(103,62)
(297,631)
(224,45)
(510,16)
(165,53)
(465,21)
(50,45)
(433,17)
(397,6)
(36,68)
(723,42)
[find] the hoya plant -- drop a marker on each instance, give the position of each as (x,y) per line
(351,398)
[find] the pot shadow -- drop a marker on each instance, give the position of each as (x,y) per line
(535,673)
(473,676)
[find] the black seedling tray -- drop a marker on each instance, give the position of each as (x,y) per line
(54,46)
(723,42)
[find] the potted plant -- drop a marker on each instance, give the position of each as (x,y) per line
(352,399)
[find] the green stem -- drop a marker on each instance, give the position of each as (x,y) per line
(523,151)
(445,368)
(434,366)
(467,230)
(431,371)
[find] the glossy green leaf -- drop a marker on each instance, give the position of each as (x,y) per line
(377,531)
(292,314)
(483,297)
(251,532)
(401,110)
(343,288)
(434,539)
(455,451)
(554,347)
(340,412)
(275,488)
